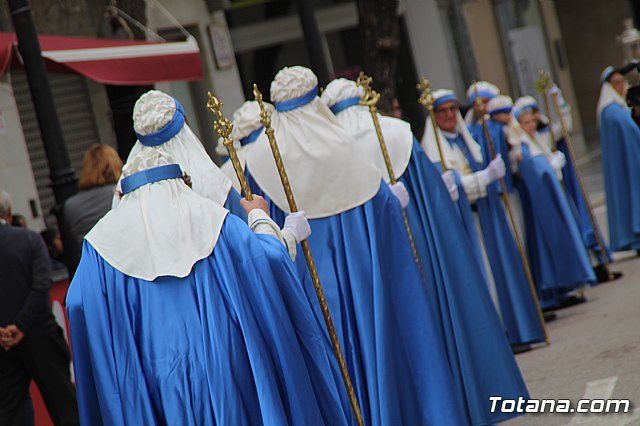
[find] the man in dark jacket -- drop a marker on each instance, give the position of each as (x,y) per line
(31,342)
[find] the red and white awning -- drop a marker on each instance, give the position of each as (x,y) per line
(110,61)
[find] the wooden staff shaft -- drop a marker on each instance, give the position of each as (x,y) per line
(432,116)
(233,157)
(583,192)
(392,178)
(516,234)
(315,278)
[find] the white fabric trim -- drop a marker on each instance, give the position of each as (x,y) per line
(326,173)
(608,96)
(160,229)
(452,160)
(152,111)
(123,52)
(357,120)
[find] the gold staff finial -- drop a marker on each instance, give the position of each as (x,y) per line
(543,83)
(426,99)
(223,128)
(370,98)
(265,118)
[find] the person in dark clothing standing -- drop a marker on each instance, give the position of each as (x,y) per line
(31,342)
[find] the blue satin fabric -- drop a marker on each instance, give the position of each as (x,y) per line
(155,174)
(620,141)
(233,205)
(557,256)
(344,104)
(517,306)
(478,351)
(298,102)
(235,342)
(500,144)
(386,326)
(579,207)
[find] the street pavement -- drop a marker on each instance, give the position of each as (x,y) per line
(595,346)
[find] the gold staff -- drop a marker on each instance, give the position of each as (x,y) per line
(514,228)
(223,128)
(583,192)
(426,99)
(542,86)
(370,99)
(265,118)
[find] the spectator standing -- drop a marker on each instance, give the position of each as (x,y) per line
(32,343)
(101,170)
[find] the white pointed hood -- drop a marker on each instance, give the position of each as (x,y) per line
(357,120)
(326,173)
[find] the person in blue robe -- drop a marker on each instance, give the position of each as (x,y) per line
(478,350)
(514,299)
(484,91)
(620,141)
(558,258)
(176,138)
(374,289)
(192,318)
(571,184)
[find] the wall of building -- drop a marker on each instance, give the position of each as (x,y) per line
(485,42)
(589,29)
(432,52)
(16,176)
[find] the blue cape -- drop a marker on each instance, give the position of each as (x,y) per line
(620,140)
(517,307)
(233,204)
(579,207)
(478,351)
(557,255)
(381,312)
(235,342)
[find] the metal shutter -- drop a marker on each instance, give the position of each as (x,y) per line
(75,112)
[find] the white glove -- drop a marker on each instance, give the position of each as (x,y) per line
(494,171)
(557,160)
(401,193)
(298,225)
(555,90)
(449,180)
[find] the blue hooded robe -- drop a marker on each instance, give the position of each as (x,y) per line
(235,342)
(380,308)
(517,307)
(620,140)
(557,256)
(479,353)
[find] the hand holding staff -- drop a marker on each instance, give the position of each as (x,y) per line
(223,128)
(265,118)
(514,228)
(370,99)
(426,99)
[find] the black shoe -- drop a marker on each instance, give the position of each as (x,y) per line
(572,300)
(550,316)
(518,349)
(604,276)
